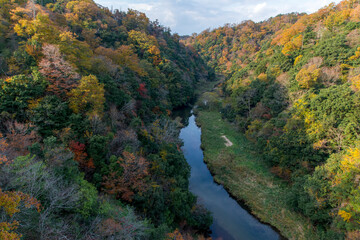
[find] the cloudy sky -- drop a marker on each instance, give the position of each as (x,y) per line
(188,16)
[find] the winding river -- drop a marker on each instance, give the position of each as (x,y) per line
(231,221)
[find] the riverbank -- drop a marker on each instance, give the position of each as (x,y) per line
(242,172)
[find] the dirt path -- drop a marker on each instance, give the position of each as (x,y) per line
(228,142)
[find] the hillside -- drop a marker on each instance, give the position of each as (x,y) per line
(292,87)
(87,147)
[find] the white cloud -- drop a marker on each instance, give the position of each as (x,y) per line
(169,18)
(188,16)
(259,7)
(141,6)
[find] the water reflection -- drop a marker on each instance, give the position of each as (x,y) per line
(231,221)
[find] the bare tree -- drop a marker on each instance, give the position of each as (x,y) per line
(19,137)
(32,177)
(33,8)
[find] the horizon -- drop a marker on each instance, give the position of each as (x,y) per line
(186,17)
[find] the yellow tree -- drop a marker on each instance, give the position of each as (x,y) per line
(10,202)
(285,36)
(345,186)
(175,235)
(337,18)
(355,82)
(88,98)
(295,44)
(41,29)
(308,77)
(123,56)
(147,43)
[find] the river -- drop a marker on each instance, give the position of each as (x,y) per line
(231,221)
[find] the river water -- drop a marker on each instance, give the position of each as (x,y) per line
(231,221)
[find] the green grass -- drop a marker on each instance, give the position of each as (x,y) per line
(206,86)
(244,174)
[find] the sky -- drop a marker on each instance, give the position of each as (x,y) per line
(193,16)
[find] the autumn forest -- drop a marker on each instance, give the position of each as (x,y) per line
(89,146)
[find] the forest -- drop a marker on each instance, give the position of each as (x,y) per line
(87,146)
(292,87)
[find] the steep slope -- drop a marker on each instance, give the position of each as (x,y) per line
(292,87)
(85,99)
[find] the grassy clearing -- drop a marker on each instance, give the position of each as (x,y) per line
(241,170)
(206,86)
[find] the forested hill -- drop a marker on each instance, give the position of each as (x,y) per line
(87,148)
(292,86)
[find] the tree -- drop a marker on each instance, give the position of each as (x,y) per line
(41,29)
(345,187)
(135,20)
(16,92)
(63,192)
(122,224)
(336,184)
(88,98)
(128,177)
(355,14)
(124,56)
(307,77)
(295,44)
(60,74)
(49,114)
(3,147)
(336,18)
(19,136)
(142,90)
(33,8)
(10,202)
(175,235)
(147,45)
(81,156)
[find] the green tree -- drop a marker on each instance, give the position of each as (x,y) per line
(17,91)
(49,114)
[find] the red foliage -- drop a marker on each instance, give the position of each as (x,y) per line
(79,150)
(142,90)
(267,116)
(80,155)
(131,180)
(19,137)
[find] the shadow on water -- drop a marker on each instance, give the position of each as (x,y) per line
(184,114)
(231,221)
